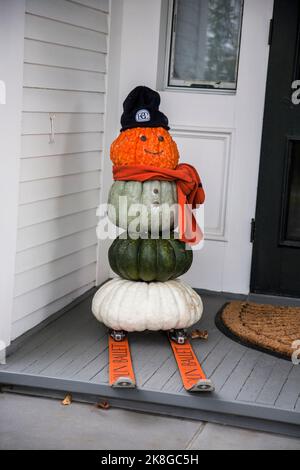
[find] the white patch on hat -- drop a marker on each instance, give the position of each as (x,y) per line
(142,115)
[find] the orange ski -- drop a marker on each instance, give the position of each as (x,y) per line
(192,375)
(120,365)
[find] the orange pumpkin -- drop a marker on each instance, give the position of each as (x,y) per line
(145,146)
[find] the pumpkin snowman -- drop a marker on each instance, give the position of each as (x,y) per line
(147,294)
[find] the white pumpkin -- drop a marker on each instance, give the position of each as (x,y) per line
(143,206)
(137,306)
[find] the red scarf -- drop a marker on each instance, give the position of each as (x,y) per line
(189,192)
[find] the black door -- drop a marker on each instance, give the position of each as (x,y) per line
(276,250)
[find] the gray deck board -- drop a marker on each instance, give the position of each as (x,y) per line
(71,354)
(31,350)
(94,366)
(227,366)
(257,379)
(158,378)
(174,384)
(53,351)
(216,356)
(80,362)
(290,391)
(237,379)
(149,359)
(274,384)
(75,351)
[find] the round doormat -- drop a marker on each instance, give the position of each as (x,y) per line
(268,328)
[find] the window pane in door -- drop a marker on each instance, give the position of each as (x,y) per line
(293,215)
(205,43)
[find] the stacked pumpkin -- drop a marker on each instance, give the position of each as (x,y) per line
(147,294)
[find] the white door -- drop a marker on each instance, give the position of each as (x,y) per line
(218,131)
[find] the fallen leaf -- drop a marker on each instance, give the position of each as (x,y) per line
(197,334)
(103,405)
(67,400)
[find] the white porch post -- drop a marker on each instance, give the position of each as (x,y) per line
(112,123)
(12,15)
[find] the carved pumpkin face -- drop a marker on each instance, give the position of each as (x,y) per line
(145,146)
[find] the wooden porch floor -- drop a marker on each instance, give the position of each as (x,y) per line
(253,389)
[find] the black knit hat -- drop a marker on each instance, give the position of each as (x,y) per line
(141,109)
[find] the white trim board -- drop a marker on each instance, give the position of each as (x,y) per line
(111,125)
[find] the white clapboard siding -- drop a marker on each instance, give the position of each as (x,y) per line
(39,145)
(64,86)
(34,318)
(48,188)
(45,232)
(69,12)
(40,76)
(51,101)
(41,29)
(39,123)
(97,4)
(42,254)
(59,165)
(49,272)
(38,212)
(38,298)
(43,53)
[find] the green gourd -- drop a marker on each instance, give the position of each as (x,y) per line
(149,259)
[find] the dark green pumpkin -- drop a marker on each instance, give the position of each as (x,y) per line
(149,260)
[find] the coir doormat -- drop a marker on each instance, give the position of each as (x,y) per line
(268,328)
